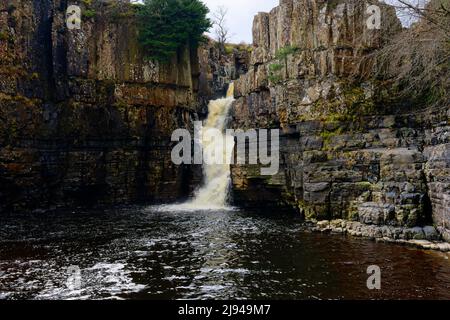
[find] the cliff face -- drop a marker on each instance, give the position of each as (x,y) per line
(348,149)
(218,69)
(84,118)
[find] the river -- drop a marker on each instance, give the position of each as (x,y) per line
(147,253)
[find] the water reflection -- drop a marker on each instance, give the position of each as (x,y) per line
(144,253)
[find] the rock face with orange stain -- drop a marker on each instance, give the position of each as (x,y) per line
(84,118)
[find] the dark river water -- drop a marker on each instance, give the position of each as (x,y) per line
(143,253)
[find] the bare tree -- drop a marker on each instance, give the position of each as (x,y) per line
(432,11)
(417,60)
(221,29)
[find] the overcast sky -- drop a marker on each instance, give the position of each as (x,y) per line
(241,13)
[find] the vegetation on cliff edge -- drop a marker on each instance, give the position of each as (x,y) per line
(167,25)
(417,61)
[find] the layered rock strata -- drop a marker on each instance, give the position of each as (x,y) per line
(84,118)
(349,149)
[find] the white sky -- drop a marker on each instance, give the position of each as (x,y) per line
(240,15)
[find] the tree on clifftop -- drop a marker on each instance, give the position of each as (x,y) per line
(168,25)
(221,30)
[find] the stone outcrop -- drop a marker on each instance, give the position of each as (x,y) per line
(349,149)
(84,118)
(219,67)
(437,170)
(423,238)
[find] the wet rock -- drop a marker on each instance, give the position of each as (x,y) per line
(323,224)
(414,234)
(444,247)
(431,233)
(388,234)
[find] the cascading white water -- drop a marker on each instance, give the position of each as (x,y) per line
(213,195)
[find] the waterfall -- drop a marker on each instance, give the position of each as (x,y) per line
(214,193)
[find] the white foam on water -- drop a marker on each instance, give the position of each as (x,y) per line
(103,279)
(190,207)
(214,194)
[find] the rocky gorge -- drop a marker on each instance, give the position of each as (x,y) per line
(85,119)
(354,158)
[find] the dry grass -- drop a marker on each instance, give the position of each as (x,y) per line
(416,61)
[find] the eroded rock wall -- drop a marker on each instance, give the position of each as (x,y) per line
(84,118)
(348,149)
(219,67)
